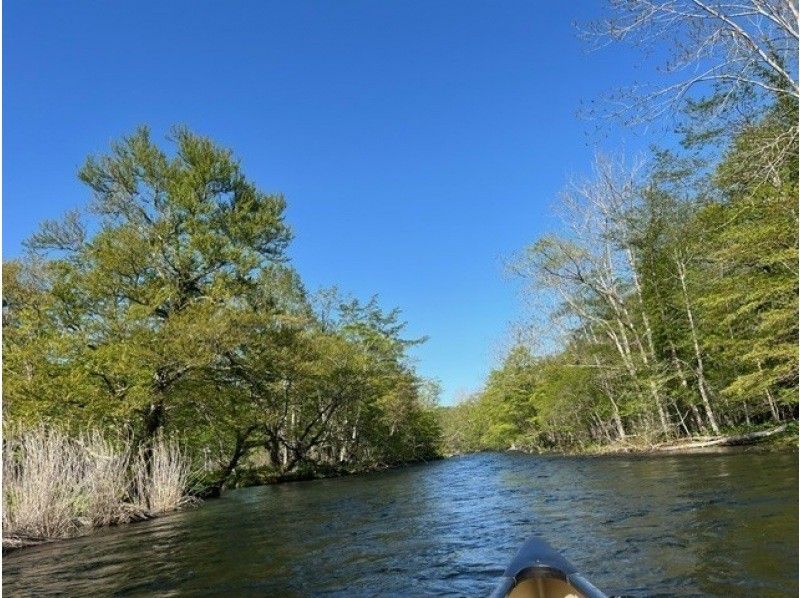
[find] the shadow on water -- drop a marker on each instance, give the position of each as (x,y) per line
(716,524)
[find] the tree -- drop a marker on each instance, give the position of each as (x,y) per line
(508,399)
(593,272)
(752,236)
(147,297)
(727,61)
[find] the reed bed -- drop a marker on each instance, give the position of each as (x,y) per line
(56,485)
(162,486)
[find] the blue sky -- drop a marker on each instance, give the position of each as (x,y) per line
(418,143)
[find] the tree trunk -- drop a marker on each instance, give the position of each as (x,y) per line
(681,418)
(602,426)
(770,399)
(239,450)
(273,450)
(698,420)
(608,392)
(153,422)
(660,408)
(772,406)
(701,379)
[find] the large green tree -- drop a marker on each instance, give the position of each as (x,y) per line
(143,290)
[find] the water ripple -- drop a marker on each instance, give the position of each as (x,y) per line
(690,525)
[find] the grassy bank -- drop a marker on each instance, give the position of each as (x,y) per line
(264,476)
(58,486)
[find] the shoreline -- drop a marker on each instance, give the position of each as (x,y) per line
(779,438)
(776,439)
(15,543)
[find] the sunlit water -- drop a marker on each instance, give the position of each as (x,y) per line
(715,524)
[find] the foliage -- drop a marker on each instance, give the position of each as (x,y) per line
(173,308)
(676,301)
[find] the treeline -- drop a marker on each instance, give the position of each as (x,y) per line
(173,311)
(667,307)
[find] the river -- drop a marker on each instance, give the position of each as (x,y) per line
(722,524)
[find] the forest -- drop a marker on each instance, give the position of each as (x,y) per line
(167,316)
(666,307)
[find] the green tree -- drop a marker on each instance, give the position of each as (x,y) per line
(145,300)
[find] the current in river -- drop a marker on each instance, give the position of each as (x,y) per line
(712,524)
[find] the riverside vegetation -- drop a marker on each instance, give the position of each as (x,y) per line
(667,309)
(173,316)
(55,484)
(160,345)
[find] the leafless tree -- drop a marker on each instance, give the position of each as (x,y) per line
(726,58)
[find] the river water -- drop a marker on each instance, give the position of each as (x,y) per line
(722,524)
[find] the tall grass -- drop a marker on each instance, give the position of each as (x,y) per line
(55,484)
(161,485)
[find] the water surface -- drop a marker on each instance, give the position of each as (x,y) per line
(720,524)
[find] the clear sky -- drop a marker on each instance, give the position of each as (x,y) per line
(418,143)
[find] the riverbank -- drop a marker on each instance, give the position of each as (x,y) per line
(776,438)
(773,439)
(245,479)
(266,477)
(783,437)
(16,542)
(58,486)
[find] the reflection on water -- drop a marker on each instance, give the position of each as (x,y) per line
(715,524)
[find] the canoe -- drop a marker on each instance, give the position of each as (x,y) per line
(539,571)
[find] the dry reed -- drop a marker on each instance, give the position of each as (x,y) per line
(54,484)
